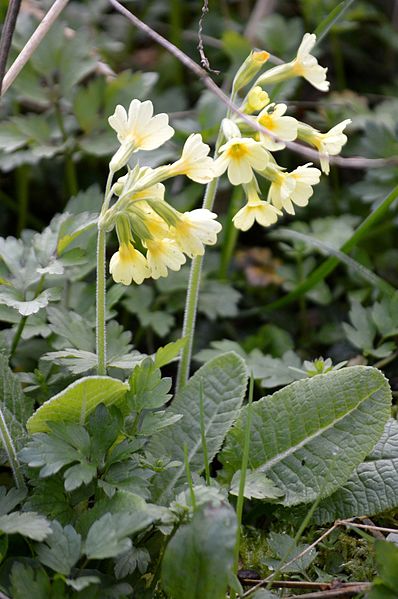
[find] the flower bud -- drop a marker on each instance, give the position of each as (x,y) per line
(230,129)
(255,100)
(249,69)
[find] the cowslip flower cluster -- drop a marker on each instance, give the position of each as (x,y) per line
(247,154)
(153,236)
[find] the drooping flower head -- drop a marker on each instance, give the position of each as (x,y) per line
(194,162)
(255,209)
(304,65)
(292,188)
(138,129)
(194,230)
(328,144)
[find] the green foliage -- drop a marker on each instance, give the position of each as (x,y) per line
(372,486)
(198,559)
(386,584)
(222,383)
(308,456)
(77,401)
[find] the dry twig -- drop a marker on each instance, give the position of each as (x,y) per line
(33,42)
(203,58)
(6,35)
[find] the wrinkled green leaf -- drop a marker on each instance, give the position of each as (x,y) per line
(310,436)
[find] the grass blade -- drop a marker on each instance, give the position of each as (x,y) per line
(335,15)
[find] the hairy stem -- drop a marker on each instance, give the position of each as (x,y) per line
(191,304)
(101,287)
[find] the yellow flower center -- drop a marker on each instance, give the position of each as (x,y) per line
(237,151)
(267,121)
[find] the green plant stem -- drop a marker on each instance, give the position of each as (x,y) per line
(242,482)
(231,234)
(320,273)
(70,171)
(22,175)
(189,477)
(203,437)
(11,453)
(191,304)
(101,286)
(22,322)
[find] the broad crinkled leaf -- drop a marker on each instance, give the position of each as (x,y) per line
(29,582)
(198,559)
(310,436)
(372,488)
(222,381)
(77,401)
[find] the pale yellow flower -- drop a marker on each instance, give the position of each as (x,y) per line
(241,155)
(138,130)
(256,209)
(293,188)
(194,162)
(194,230)
(163,254)
(304,65)
(328,144)
(128,264)
(284,127)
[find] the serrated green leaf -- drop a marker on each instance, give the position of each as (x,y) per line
(147,388)
(78,401)
(257,486)
(77,361)
(363,331)
(82,582)
(108,536)
(72,327)
(285,548)
(74,226)
(223,383)
(218,300)
(372,488)
(198,559)
(310,436)
(166,354)
(136,557)
(61,550)
(10,499)
(11,297)
(27,524)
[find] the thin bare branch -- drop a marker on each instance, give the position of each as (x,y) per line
(203,58)
(33,42)
(261,583)
(366,526)
(345,591)
(356,162)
